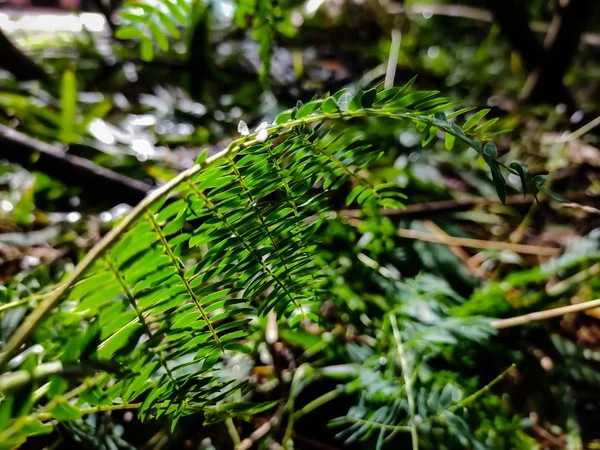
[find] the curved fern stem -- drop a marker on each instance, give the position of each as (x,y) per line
(184,280)
(50,302)
(20,302)
(118,407)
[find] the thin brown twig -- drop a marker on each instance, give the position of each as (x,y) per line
(478,243)
(544,315)
(261,431)
(588,209)
(468,242)
(456,249)
(430,209)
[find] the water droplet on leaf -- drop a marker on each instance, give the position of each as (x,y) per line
(243,128)
(262,135)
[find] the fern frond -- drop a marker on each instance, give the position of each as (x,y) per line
(175,284)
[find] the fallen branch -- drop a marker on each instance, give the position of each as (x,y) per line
(543,315)
(478,243)
(430,209)
(261,431)
(18,63)
(70,169)
(468,242)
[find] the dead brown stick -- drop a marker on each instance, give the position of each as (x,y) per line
(544,315)
(73,170)
(588,209)
(261,431)
(431,209)
(457,250)
(471,243)
(478,243)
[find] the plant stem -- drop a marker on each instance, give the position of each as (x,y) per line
(184,280)
(543,315)
(471,398)
(317,402)
(24,300)
(582,130)
(408,382)
(561,287)
(15,427)
(392,63)
(261,431)
(14,380)
(468,242)
(381,426)
(434,209)
(106,408)
(132,301)
(14,304)
(233,433)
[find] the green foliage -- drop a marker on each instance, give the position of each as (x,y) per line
(157,312)
(59,119)
(153,24)
(530,289)
(398,383)
(575,363)
(267,18)
(68,105)
(243,289)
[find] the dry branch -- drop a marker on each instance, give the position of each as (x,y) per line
(18,63)
(70,169)
(434,209)
(544,315)
(468,242)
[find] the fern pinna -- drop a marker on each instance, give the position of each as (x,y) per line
(175,286)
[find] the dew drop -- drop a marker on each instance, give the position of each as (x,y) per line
(262,126)
(243,128)
(262,135)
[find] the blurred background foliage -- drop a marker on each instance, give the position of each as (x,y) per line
(141,90)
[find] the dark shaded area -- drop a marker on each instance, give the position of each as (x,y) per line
(54,161)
